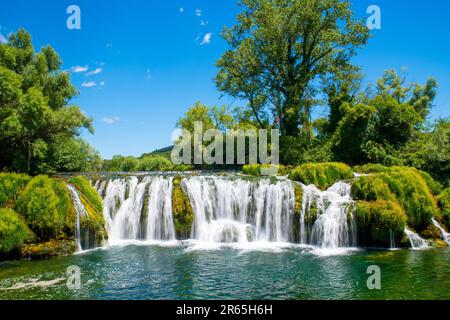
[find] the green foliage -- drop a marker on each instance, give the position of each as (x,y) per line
(13,231)
(276,59)
(183,214)
(255,169)
(45,205)
(403,185)
(322,175)
(444,205)
(378,221)
(10,186)
(34,113)
(155,163)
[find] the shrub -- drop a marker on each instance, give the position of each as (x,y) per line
(155,163)
(10,186)
(45,205)
(183,214)
(323,175)
(379,221)
(255,169)
(406,187)
(13,231)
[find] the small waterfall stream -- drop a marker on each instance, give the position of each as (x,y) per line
(81,212)
(415,240)
(445,234)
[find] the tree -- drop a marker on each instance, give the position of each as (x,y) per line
(34,104)
(279,48)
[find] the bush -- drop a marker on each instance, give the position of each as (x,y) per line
(10,186)
(183,214)
(45,205)
(155,163)
(13,231)
(255,169)
(403,185)
(322,175)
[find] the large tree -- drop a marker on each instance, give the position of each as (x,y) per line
(280,48)
(34,106)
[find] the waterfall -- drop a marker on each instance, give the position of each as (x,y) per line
(137,209)
(334,227)
(81,212)
(416,241)
(241,211)
(445,234)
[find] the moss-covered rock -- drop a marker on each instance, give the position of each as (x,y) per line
(322,175)
(13,231)
(92,225)
(45,205)
(183,214)
(379,222)
(52,248)
(10,186)
(298,190)
(406,187)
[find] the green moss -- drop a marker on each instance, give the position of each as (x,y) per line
(371,188)
(92,226)
(255,170)
(404,186)
(52,248)
(183,214)
(322,175)
(44,203)
(378,221)
(298,198)
(10,186)
(434,186)
(444,206)
(83,185)
(13,231)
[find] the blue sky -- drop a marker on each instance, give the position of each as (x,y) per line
(150,60)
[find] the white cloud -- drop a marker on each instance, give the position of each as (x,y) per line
(3,39)
(109,45)
(102,83)
(108,120)
(198,12)
(206,39)
(181,9)
(148,75)
(89,84)
(96,71)
(204,23)
(78,69)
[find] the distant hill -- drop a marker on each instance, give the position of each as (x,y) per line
(160,152)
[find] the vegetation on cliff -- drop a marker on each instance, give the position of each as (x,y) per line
(183,214)
(322,175)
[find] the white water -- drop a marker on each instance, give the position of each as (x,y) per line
(127,218)
(80,211)
(445,234)
(239,211)
(417,243)
(335,227)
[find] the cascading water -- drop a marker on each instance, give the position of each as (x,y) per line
(445,234)
(81,212)
(243,211)
(334,227)
(415,240)
(240,211)
(137,209)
